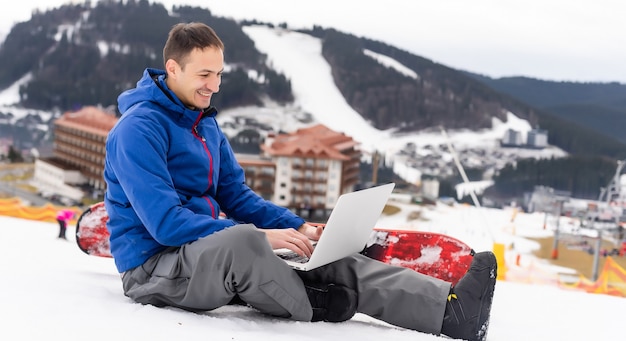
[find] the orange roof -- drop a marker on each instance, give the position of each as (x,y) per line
(91,119)
(317,141)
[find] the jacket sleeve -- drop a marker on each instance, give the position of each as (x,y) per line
(241,203)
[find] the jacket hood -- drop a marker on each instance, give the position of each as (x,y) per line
(152,88)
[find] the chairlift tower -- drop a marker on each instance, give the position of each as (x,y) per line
(612,193)
(613,190)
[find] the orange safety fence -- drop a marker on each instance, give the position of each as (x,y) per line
(611,281)
(13,207)
(531,273)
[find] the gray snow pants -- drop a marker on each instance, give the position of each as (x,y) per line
(238,261)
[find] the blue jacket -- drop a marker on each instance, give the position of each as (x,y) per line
(169,172)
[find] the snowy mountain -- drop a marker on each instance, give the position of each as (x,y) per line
(318,100)
(410,94)
(299,57)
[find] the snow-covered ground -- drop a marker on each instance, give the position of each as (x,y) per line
(51,288)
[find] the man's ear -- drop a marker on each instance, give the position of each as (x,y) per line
(171,67)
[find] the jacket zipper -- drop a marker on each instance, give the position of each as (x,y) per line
(195,132)
(210,175)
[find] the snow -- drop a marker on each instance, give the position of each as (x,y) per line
(11,96)
(392,63)
(477,187)
(51,288)
(298,56)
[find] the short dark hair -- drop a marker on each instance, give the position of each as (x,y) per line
(186,37)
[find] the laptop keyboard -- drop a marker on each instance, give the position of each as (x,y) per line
(293,257)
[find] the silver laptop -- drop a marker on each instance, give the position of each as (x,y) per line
(347,230)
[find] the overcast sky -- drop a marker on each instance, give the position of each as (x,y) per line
(570,40)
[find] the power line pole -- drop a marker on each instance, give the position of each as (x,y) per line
(375,158)
(555,245)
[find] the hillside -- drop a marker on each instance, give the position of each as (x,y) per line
(109,46)
(598,106)
(380,89)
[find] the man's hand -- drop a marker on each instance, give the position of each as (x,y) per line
(312,232)
(297,241)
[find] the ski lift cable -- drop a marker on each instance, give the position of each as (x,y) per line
(466,181)
(459,166)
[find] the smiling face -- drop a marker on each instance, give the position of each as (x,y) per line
(197,77)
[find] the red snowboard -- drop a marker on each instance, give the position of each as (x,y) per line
(430,253)
(92,235)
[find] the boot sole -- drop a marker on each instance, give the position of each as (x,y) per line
(485,307)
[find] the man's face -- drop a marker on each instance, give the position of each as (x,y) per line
(200,77)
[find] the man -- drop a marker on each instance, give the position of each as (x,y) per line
(170,171)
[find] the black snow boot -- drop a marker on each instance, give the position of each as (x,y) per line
(332,303)
(469,302)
